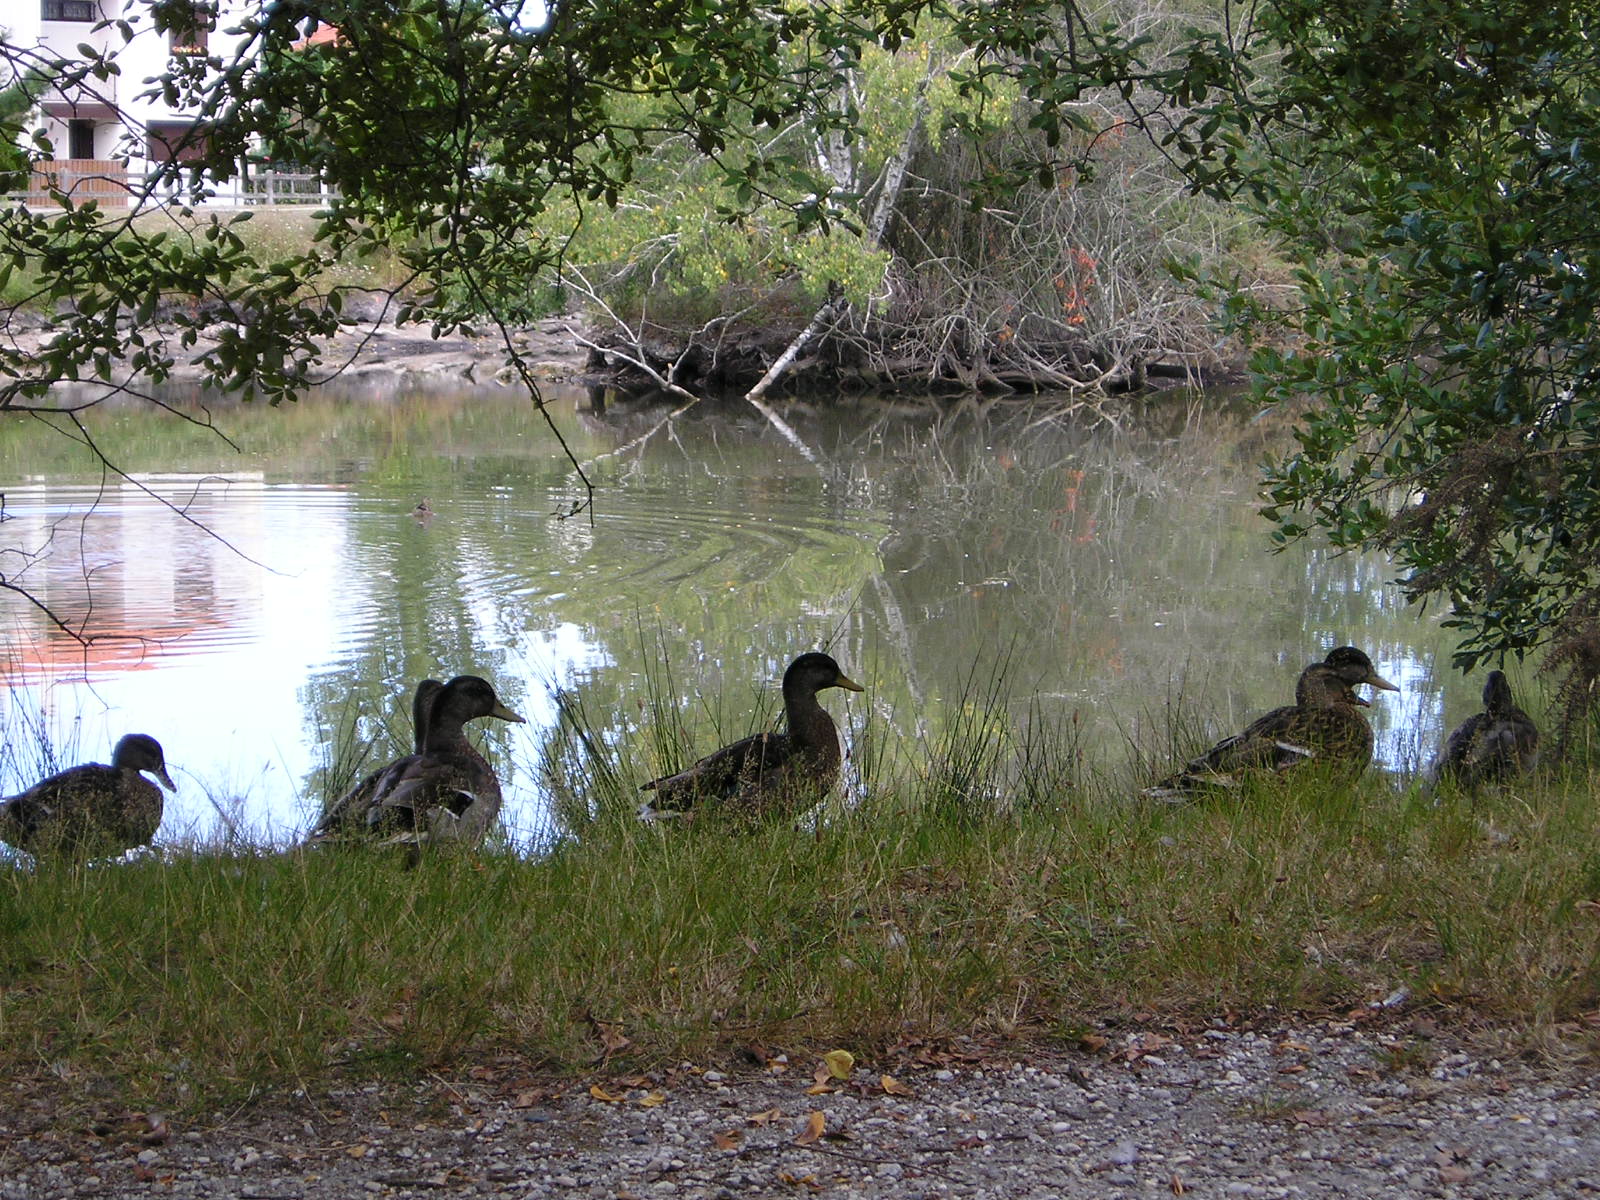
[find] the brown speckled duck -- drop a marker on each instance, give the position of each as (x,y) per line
(770,772)
(1497,744)
(1324,724)
(445,792)
(91,809)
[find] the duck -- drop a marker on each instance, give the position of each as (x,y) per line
(445,791)
(359,798)
(1324,724)
(769,772)
(1497,744)
(93,808)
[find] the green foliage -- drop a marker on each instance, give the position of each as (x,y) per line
(1445,356)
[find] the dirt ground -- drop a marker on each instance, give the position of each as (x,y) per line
(1340,1108)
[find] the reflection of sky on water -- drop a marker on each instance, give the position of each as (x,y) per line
(237,624)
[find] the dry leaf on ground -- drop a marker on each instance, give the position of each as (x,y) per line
(815,1124)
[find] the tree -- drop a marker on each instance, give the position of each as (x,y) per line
(1435,171)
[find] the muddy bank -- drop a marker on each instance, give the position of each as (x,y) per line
(548,348)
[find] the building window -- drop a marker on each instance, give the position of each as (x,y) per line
(188,36)
(80,139)
(177,141)
(69,10)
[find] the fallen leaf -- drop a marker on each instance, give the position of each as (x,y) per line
(634,1081)
(527,1098)
(612,1039)
(893,1086)
(820,1088)
(599,1093)
(761,1118)
(1176,1185)
(1292,1069)
(359,1150)
(1092,1042)
(653,1099)
(815,1124)
(1456,1174)
(728,1140)
(839,1063)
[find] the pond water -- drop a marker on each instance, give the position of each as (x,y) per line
(258,606)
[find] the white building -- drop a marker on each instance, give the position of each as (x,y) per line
(113,126)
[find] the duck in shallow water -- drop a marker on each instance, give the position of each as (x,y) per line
(769,772)
(91,809)
(1497,744)
(1324,724)
(445,792)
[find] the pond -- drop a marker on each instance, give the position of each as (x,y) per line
(265,607)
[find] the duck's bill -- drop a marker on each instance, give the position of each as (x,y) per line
(166,780)
(1378,681)
(848,684)
(505,714)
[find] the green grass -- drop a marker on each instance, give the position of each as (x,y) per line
(207,975)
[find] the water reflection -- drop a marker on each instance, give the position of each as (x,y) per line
(249,617)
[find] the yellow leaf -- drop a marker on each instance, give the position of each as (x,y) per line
(599,1093)
(840,1063)
(815,1124)
(653,1099)
(818,1089)
(359,1150)
(894,1087)
(761,1118)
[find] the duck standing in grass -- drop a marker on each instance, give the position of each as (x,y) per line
(770,772)
(1497,744)
(359,798)
(445,792)
(92,809)
(1324,724)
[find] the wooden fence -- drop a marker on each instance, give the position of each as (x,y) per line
(115,186)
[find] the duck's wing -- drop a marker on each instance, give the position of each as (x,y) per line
(79,805)
(433,796)
(1275,741)
(350,812)
(724,773)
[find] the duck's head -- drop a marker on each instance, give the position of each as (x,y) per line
(141,752)
(812,672)
(466,697)
(1497,693)
(1354,667)
(1321,686)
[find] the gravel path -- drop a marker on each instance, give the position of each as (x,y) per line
(1340,1109)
